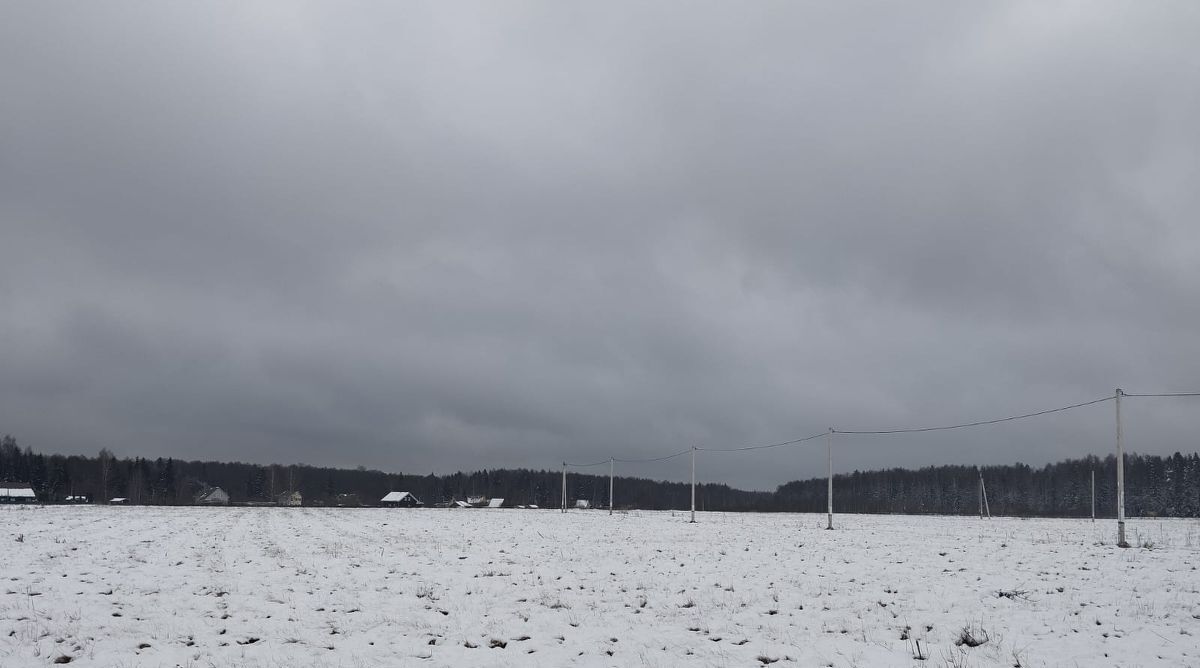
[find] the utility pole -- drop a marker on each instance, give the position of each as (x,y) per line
(1121,542)
(983,488)
(980,491)
(693,484)
(610,485)
(564,490)
(1093,495)
(829,495)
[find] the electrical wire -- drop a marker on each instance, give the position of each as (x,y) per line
(764,447)
(973,424)
(653,459)
(584,466)
(883,431)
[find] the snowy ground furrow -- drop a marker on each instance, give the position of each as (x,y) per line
(333,587)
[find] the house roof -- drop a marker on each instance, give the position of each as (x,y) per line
(395,497)
(118,499)
(17,492)
(462,504)
(496,503)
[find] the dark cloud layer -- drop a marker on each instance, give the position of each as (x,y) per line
(442,236)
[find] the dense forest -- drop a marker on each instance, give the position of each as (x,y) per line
(1155,486)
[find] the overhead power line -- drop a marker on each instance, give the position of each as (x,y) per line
(652,459)
(914,430)
(584,466)
(764,447)
(972,424)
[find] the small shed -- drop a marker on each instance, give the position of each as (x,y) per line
(118,501)
(291,499)
(496,503)
(583,504)
(347,500)
(400,500)
(16,492)
(213,496)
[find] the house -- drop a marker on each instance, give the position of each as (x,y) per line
(533,506)
(496,503)
(477,500)
(118,501)
(400,500)
(583,504)
(16,492)
(290,499)
(213,496)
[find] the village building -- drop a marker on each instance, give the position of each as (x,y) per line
(496,503)
(76,498)
(400,500)
(583,504)
(213,496)
(118,501)
(16,492)
(290,499)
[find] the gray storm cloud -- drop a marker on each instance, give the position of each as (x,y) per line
(438,236)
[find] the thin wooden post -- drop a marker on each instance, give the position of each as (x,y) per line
(564,488)
(983,487)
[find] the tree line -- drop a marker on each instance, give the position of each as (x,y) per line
(1155,486)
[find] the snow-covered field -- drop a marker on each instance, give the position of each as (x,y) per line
(330,587)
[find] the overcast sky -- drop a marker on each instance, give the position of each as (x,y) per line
(439,236)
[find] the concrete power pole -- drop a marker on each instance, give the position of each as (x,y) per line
(1093,495)
(1121,542)
(610,485)
(693,521)
(829,494)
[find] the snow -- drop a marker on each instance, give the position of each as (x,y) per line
(153,586)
